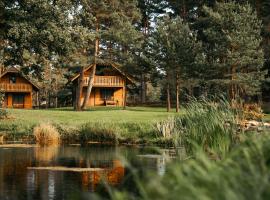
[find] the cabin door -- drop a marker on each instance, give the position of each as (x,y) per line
(18,100)
(107,94)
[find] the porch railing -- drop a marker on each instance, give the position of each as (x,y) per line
(106,81)
(20,87)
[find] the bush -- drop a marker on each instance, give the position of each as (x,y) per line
(3,113)
(46,134)
(98,132)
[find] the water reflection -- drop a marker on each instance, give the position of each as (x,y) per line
(37,173)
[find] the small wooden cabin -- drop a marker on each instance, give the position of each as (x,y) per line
(110,85)
(19,90)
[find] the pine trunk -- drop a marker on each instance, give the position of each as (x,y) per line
(168,95)
(233,86)
(177,93)
(143,89)
(92,75)
(79,90)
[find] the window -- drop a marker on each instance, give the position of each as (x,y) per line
(12,79)
(107,94)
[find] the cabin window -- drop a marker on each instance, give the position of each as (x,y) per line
(107,94)
(12,79)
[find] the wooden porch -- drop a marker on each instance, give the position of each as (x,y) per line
(106,81)
(19,87)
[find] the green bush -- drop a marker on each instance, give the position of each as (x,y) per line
(3,113)
(99,132)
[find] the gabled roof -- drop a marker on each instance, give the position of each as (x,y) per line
(14,70)
(114,66)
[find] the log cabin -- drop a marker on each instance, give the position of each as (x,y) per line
(19,91)
(110,85)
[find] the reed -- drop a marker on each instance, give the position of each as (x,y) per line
(45,134)
(243,174)
(209,125)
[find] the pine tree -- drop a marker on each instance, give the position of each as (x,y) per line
(178,53)
(232,45)
(112,23)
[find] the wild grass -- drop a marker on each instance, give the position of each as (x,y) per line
(209,125)
(243,174)
(46,135)
(98,132)
(133,125)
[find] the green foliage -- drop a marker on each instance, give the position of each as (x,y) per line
(35,30)
(233,47)
(98,132)
(243,174)
(3,112)
(209,125)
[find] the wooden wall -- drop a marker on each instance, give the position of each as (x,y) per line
(28,99)
(8,96)
(95,97)
(19,79)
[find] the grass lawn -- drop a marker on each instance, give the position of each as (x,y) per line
(105,115)
(133,122)
(267,117)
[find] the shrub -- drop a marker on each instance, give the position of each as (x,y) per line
(98,132)
(3,113)
(166,128)
(46,134)
(209,125)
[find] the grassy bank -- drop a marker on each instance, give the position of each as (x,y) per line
(133,124)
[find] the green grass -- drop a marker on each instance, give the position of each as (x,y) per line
(70,117)
(133,122)
(267,117)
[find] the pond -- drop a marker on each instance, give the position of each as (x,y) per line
(74,172)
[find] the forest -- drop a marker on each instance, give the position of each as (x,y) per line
(175,94)
(173,49)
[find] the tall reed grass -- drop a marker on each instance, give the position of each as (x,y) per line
(46,134)
(209,125)
(243,174)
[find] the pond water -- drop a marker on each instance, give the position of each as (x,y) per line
(74,172)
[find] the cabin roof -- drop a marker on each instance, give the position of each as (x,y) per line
(14,70)
(114,66)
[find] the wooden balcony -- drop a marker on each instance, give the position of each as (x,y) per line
(19,87)
(106,81)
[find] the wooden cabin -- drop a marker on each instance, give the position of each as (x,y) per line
(110,86)
(19,90)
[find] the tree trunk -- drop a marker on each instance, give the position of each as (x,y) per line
(92,75)
(143,89)
(79,90)
(233,85)
(177,93)
(168,95)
